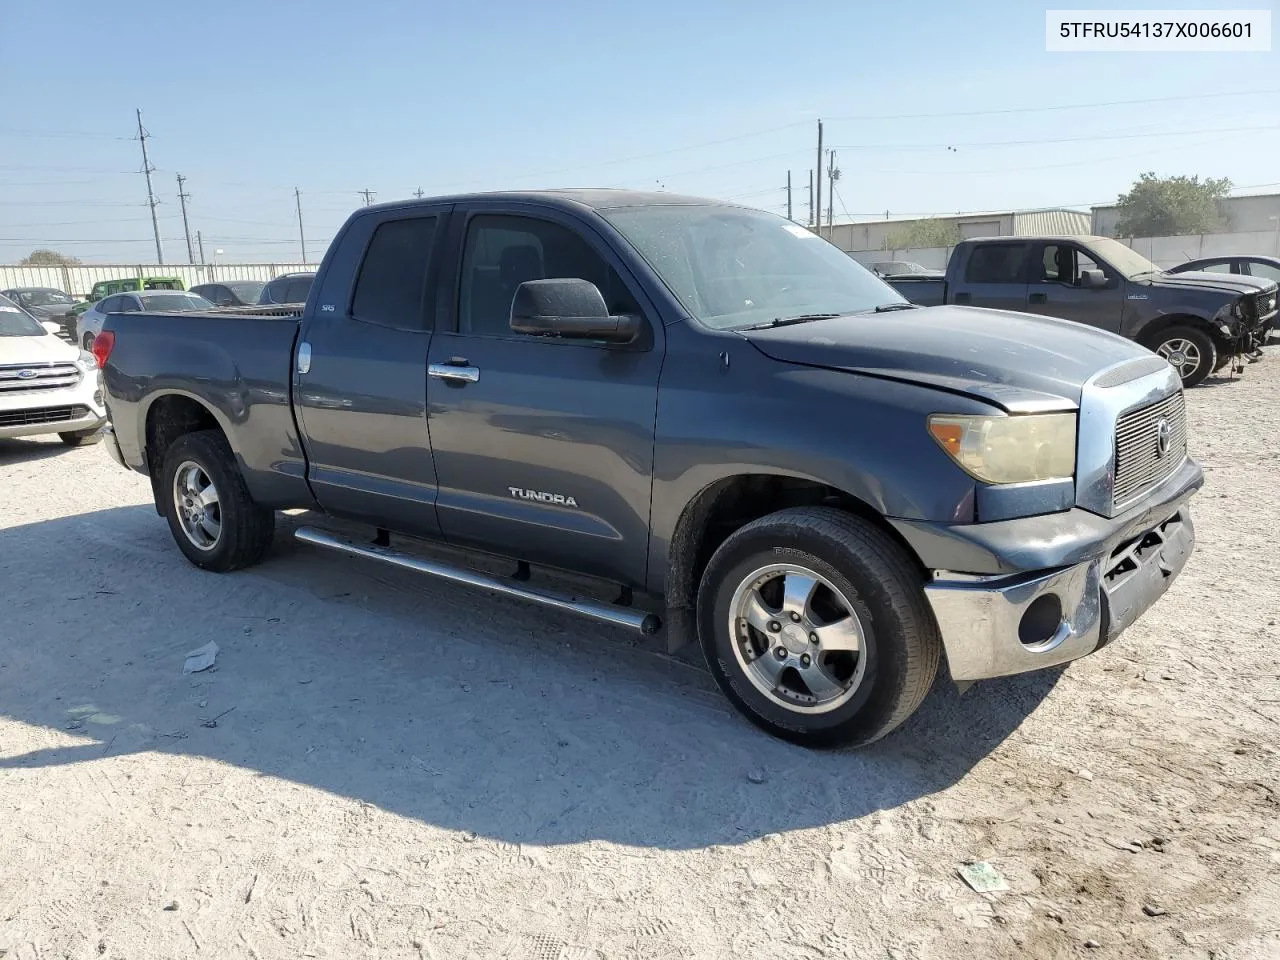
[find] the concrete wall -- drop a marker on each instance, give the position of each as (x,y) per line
(78,281)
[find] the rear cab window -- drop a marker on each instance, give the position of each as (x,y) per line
(996,263)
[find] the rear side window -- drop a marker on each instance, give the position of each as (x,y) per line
(393,277)
(297,290)
(995,263)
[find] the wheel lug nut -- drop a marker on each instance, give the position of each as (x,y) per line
(774,626)
(805,660)
(813,638)
(781,653)
(795,618)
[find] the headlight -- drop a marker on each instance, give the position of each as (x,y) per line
(87,362)
(1019,449)
(1237,310)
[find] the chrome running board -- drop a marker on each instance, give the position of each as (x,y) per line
(641,622)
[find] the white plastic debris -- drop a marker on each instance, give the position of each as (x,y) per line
(201,658)
(983,877)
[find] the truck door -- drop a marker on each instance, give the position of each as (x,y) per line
(1059,287)
(360,373)
(543,446)
(994,276)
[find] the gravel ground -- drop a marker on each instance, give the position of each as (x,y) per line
(386,766)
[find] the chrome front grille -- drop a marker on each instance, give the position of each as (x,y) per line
(1142,458)
(1264,305)
(32,377)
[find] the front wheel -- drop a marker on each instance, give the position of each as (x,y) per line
(212,517)
(87,342)
(815,625)
(1189,350)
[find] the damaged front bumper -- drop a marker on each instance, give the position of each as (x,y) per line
(1094,578)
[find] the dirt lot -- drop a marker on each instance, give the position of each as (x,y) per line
(386,766)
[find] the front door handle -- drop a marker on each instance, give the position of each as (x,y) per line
(1038,298)
(453,372)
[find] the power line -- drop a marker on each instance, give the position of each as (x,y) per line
(1043,140)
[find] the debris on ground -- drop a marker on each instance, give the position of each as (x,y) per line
(757,775)
(982,877)
(1151,910)
(201,658)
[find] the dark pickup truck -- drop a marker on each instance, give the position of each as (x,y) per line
(1199,322)
(733,428)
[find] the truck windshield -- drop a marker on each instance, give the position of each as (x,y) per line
(733,268)
(1125,259)
(15,323)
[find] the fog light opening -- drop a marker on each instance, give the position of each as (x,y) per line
(1041,620)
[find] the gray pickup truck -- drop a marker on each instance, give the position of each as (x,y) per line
(1199,322)
(718,416)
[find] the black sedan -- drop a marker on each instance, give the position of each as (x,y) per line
(231,293)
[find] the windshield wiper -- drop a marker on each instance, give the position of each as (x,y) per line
(889,307)
(788,321)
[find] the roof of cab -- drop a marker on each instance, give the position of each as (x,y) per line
(595,198)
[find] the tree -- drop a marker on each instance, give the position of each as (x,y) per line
(1171,206)
(47,258)
(930,232)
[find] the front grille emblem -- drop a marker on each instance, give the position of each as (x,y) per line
(1163,434)
(27,374)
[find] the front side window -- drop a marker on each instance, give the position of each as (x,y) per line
(393,277)
(995,263)
(1265,270)
(502,252)
(1065,263)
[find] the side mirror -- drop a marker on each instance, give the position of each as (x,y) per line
(51,327)
(568,308)
(1093,279)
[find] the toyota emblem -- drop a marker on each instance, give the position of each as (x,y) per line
(27,374)
(1163,434)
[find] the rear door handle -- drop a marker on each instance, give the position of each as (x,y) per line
(454,372)
(1038,298)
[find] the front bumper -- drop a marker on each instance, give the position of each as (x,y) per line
(1047,590)
(996,626)
(67,410)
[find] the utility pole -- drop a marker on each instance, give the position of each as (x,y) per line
(186,227)
(817,206)
(302,240)
(200,244)
(833,174)
(810,197)
(151,197)
(418,193)
(789,217)
(368,197)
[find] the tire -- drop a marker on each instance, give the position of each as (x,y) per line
(1189,350)
(859,696)
(233,531)
(81,438)
(87,342)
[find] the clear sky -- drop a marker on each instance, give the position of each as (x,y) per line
(250,99)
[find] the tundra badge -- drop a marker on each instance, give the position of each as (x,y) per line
(520,493)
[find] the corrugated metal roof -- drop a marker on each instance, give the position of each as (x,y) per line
(1051,222)
(969,215)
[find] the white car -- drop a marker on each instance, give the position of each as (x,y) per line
(46,384)
(89,323)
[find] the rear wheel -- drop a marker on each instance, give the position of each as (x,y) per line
(87,342)
(81,438)
(1189,350)
(212,517)
(814,624)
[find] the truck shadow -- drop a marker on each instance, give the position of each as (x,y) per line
(458,709)
(28,451)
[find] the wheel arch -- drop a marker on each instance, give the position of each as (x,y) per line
(167,417)
(1157,325)
(726,504)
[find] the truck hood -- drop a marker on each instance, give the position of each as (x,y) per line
(1236,283)
(45,348)
(1017,361)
